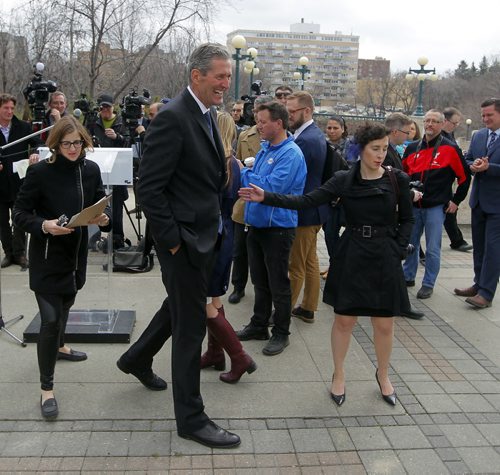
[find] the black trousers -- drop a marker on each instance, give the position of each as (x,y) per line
(181,316)
(453,231)
(120,195)
(13,239)
(54,311)
(239,276)
(269,254)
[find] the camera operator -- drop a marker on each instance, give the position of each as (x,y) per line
(57,108)
(154,108)
(108,132)
(13,239)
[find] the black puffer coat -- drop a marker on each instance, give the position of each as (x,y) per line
(366,278)
(57,263)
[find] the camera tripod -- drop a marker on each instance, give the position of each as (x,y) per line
(4,324)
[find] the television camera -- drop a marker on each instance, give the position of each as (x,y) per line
(37,93)
(132,107)
(248,107)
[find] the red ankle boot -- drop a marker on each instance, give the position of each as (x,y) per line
(241,362)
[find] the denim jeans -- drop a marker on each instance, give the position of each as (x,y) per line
(431,221)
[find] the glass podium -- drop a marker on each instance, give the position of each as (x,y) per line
(105,324)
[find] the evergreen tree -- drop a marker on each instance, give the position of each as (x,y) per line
(483,66)
(462,71)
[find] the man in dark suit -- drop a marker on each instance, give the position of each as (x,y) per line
(304,266)
(181,178)
(12,129)
(483,158)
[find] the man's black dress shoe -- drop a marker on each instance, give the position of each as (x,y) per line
(213,436)
(304,315)
(49,408)
(410,283)
(73,355)
(236,296)
(250,332)
(6,261)
(413,314)
(145,376)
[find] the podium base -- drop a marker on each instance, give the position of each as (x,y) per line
(91,326)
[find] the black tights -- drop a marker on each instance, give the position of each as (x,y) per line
(54,311)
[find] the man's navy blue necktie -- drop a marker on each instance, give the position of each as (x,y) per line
(493,138)
(208,118)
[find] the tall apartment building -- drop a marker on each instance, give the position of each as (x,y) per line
(378,68)
(333,60)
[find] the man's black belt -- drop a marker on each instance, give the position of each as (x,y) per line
(370,231)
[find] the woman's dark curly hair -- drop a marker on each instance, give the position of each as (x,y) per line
(369,132)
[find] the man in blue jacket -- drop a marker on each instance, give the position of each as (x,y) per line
(279,167)
(304,265)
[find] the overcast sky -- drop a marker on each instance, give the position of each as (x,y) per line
(399,30)
(444,31)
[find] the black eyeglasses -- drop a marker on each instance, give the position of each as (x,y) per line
(76,144)
(280,95)
(403,131)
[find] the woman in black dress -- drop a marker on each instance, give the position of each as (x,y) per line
(367,277)
(221,335)
(65,183)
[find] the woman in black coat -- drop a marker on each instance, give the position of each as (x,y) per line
(65,183)
(367,277)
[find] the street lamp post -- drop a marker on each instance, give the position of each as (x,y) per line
(251,69)
(302,70)
(468,122)
(421,74)
(239,42)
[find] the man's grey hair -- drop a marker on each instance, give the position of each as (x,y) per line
(201,57)
(397,120)
(263,99)
(436,111)
(58,93)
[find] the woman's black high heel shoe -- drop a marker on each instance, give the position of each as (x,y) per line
(338,399)
(389,398)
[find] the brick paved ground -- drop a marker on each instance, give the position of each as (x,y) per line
(445,368)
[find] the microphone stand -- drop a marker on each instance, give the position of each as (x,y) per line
(4,324)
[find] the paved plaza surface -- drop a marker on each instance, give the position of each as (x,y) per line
(445,368)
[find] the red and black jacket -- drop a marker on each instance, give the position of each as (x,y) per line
(437,164)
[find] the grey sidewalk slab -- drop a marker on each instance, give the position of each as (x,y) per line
(445,368)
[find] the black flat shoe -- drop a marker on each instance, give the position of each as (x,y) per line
(338,399)
(211,435)
(73,355)
(388,398)
(49,408)
(146,376)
